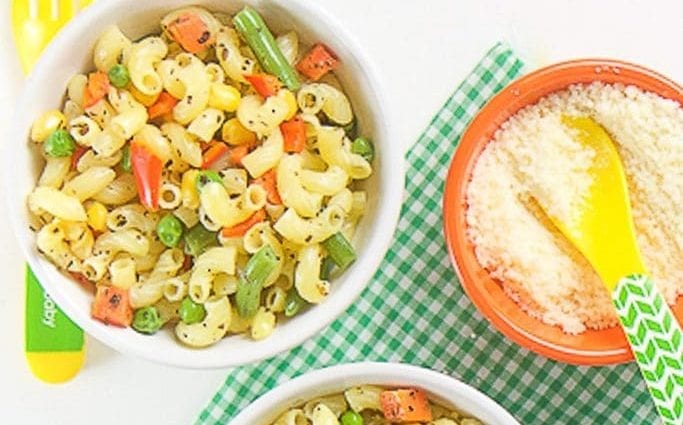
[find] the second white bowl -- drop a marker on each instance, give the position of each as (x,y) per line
(440,388)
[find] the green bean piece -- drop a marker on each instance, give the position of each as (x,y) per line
(293,302)
(198,239)
(170,230)
(326,268)
(257,35)
(125,159)
(190,312)
(351,418)
(147,320)
(207,176)
(118,76)
(59,144)
(255,273)
(364,148)
(340,250)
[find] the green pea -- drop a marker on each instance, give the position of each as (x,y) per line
(207,176)
(169,230)
(147,320)
(125,159)
(364,148)
(118,76)
(190,312)
(59,144)
(351,418)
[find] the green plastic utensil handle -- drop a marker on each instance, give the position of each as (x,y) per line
(48,329)
(656,340)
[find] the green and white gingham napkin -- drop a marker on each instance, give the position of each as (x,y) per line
(415,311)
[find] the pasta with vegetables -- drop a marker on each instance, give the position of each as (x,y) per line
(204,178)
(373,405)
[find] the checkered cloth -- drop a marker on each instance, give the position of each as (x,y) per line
(415,311)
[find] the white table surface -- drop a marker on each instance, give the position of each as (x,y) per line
(423,49)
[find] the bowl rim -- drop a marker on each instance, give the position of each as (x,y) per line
(387,208)
(454,205)
(346,375)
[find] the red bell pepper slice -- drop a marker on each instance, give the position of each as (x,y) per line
(147,169)
(163,105)
(242,228)
(77,155)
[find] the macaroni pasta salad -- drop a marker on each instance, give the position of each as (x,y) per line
(371,405)
(203,178)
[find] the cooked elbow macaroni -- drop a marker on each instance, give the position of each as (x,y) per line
(111,48)
(143,57)
(173,173)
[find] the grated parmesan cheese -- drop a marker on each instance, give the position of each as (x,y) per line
(534,159)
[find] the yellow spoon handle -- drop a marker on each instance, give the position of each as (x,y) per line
(54,344)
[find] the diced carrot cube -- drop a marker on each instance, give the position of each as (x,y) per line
(112,306)
(191,32)
(317,62)
(405,405)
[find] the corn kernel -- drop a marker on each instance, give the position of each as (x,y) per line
(234,133)
(46,124)
(97,216)
(292,106)
(145,99)
(262,324)
(188,189)
(224,97)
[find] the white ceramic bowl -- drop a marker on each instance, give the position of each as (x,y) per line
(440,388)
(70,53)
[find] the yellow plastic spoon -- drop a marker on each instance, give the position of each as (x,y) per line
(602,229)
(54,344)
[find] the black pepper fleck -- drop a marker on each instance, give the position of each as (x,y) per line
(204,38)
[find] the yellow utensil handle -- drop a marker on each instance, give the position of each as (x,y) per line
(54,344)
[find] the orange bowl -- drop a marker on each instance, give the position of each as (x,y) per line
(593,347)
